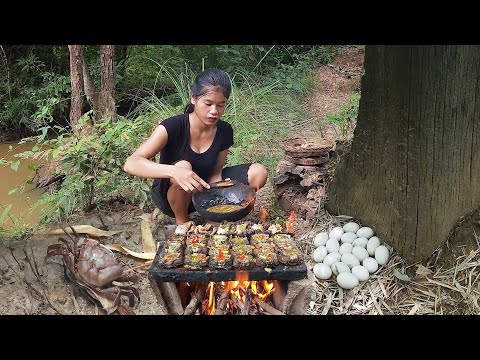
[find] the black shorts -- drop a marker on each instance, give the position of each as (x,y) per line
(161,186)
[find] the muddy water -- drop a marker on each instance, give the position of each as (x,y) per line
(20,215)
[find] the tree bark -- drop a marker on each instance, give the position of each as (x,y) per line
(76,82)
(103,100)
(88,84)
(106,106)
(414,164)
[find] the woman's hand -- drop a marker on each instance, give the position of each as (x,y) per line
(188,180)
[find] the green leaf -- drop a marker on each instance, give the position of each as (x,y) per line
(15,165)
(13,191)
(55,152)
(5,214)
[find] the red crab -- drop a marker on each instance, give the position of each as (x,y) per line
(95,269)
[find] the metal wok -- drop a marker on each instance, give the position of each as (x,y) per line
(235,194)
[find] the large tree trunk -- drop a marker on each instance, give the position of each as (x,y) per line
(414,165)
(76,82)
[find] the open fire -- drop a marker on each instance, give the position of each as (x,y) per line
(239,297)
(217,288)
(236,297)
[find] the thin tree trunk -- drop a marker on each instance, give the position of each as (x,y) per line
(414,165)
(106,104)
(76,81)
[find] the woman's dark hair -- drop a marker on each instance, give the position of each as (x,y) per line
(208,80)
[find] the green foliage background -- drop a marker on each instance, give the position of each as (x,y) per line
(269,84)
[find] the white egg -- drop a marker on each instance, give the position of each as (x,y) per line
(345,248)
(360,272)
(360,253)
(372,244)
(320,239)
(370,264)
(348,237)
(332,258)
(319,254)
(365,232)
(381,255)
(360,242)
(332,245)
(351,227)
(350,260)
(339,267)
(336,233)
(322,271)
(347,280)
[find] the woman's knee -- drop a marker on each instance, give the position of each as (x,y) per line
(257,175)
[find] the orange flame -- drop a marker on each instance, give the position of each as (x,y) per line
(292,216)
(289,222)
(263,214)
(238,289)
(211,299)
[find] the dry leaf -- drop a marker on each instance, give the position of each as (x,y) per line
(414,309)
(400,276)
(147,238)
(83,229)
(422,270)
(124,250)
(145,216)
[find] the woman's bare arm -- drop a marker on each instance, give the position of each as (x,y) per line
(140,163)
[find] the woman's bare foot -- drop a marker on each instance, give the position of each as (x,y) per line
(182,229)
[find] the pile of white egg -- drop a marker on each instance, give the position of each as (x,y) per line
(351,253)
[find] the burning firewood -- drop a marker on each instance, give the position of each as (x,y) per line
(196,300)
(268,308)
(246,306)
(222,303)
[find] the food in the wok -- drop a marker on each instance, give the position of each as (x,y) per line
(224,183)
(222,209)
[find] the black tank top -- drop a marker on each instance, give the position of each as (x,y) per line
(178,145)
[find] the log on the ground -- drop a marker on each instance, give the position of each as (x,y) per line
(171,297)
(297,296)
